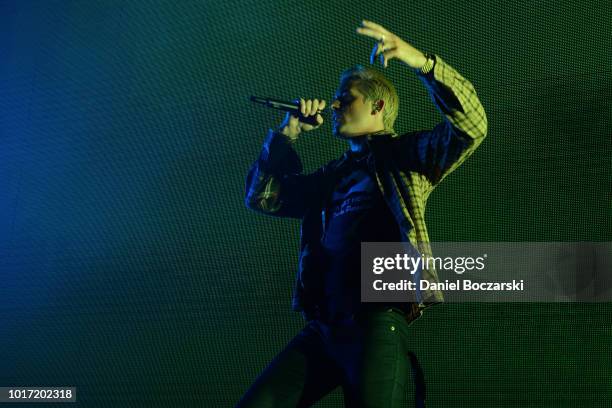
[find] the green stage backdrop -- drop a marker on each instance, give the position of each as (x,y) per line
(130,267)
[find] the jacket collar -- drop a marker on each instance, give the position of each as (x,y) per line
(371,140)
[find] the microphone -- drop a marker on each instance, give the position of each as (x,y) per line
(293,107)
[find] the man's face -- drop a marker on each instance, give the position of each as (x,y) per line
(352,115)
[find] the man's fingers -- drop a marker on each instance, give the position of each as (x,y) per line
(387,55)
(373,25)
(385,47)
(302,106)
(315,106)
(319,119)
(378,49)
(376,34)
(310,107)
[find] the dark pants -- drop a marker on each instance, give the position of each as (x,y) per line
(366,355)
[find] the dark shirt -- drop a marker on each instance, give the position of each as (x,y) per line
(356,212)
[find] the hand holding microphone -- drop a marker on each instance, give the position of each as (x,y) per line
(308,118)
(302,114)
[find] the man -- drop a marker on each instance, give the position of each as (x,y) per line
(376,192)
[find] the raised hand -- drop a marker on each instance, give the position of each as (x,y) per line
(389,46)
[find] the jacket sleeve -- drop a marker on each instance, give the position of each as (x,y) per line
(438,152)
(275,184)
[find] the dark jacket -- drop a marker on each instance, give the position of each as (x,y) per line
(407,167)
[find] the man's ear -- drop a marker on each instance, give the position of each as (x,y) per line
(378,106)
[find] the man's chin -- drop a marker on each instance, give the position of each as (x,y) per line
(340,134)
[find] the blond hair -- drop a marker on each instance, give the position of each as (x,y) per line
(374,86)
